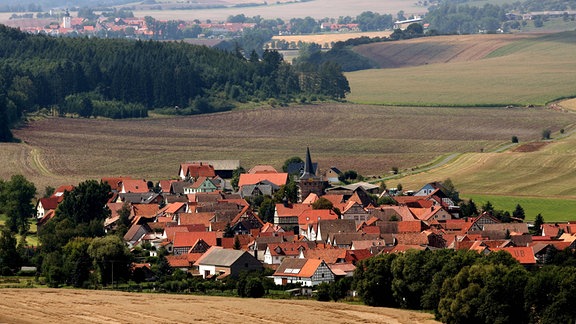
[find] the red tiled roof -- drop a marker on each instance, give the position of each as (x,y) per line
(291,210)
(49,203)
(328,255)
(197,218)
(135,186)
(145,210)
(262,169)
(524,255)
(188,239)
(312,216)
(196,170)
(278,179)
(410,226)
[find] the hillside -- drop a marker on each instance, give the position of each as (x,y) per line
(474,70)
(368,139)
(97,306)
(439,49)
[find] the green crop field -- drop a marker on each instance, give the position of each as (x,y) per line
(552,209)
(529,71)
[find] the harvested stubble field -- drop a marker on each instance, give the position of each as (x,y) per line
(329,38)
(93,306)
(468,70)
(368,139)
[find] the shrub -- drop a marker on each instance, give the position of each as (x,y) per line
(514,139)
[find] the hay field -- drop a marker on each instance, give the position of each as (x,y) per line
(96,306)
(525,71)
(368,139)
(316,9)
(548,171)
(328,38)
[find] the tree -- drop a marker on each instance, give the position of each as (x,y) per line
(322,203)
(111,257)
(323,292)
(237,245)
(267,209)
(373,280)
(9,257)
(514,139)
(236,177)
(382,186)
(546,134)
(519,212)
(254,288)
(488,207)
(538,222)
(77,262)
(451,191)
(18,194)
(294,159)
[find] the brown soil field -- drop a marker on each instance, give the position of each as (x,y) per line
(368,139)
(93,306)
(440,49)
(530,147)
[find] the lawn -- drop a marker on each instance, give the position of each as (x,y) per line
(552,209)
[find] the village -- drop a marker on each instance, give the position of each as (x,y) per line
(211,230)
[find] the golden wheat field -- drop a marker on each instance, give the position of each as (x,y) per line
(92,306)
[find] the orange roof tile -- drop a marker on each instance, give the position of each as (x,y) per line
(135,186)
(188,239)
(278,179)
(291,210)
(262,169)
(312,216)
(524,255)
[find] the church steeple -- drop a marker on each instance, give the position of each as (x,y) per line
(308,167)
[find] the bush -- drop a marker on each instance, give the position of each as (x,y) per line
(546,134)
(514,139)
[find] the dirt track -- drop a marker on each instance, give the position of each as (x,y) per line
(88,306)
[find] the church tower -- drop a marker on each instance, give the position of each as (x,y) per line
(66,22)
(309,182)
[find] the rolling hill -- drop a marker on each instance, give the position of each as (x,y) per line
(470,70)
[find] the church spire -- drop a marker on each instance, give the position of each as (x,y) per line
(308,167)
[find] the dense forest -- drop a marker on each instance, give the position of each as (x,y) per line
(125,78)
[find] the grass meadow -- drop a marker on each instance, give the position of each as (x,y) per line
(529,71)
(552,209)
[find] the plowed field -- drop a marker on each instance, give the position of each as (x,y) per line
(89,306)
(440,49)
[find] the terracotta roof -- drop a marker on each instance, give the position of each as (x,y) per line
(195,170)
(524,255)
(174,207)
(313,216)
(386,212)
(328,255)
(405,247)
(115,182)
(262,169)
(178,261)
(196,218)
(59,192)
(342,269)
(171,231)
(145,210)
(49,203)
(293,267)
(287,248)
(291,210)
(188,239)
(312,197)
(410,226)
(370,230)
(366,244)
(134,186)
(334,199)
(278,179)
(412,238)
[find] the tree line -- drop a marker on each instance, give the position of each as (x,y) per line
(102,77)
(467,287)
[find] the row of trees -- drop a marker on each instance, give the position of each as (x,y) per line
(466,287)
(122,78)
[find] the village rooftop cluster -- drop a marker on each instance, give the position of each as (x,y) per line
(211,231)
